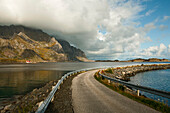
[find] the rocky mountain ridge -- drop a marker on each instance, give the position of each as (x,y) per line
(21,44)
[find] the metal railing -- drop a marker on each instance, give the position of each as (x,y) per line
(138,87)
(45,103)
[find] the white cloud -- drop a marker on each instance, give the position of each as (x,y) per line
(148,27)
(77,21)
(163,27)
(148,13)
(169,48)
(166,18)
(156,51)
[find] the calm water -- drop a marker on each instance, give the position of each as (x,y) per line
(21,82)
(19,79)
(159,79)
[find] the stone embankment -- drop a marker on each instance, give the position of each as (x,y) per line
(124,73)
(30,102)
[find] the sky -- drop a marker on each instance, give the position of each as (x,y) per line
(103,29)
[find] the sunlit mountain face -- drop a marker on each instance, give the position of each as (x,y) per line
(21,44)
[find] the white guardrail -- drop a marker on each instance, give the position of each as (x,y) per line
(138,87)
(45,103)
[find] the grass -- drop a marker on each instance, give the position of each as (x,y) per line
(25,109)
(109,70)
(141,99)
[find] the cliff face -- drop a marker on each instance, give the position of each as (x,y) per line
(19,43)
(72,52)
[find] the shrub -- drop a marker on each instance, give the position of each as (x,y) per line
(109,70)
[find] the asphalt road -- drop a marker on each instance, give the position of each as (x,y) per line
(90,96)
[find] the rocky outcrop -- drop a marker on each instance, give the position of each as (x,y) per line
(19,43)
(71,51)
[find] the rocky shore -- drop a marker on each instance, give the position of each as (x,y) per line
(29,102)
(62,99)
(62,102)
(124,73)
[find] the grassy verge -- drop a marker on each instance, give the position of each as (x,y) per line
(141,99)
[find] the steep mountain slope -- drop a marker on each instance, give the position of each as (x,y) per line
(19,43)
(72,52)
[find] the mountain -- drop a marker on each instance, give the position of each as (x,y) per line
(21,44)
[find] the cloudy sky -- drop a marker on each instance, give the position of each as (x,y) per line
(103,29)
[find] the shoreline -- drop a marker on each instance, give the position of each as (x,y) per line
(124,73)
(31,100)
(3,63)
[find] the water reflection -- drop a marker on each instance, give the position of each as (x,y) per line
(22,82)
(18,79)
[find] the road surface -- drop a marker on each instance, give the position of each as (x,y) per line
(90,96)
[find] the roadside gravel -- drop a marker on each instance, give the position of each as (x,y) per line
(63,99)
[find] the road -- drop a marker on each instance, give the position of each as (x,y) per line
(90,96)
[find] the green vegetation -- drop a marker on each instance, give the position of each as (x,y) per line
(141,99)
(12,60)
(109,70)
(25,109)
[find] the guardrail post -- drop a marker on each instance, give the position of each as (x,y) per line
(138,92)
(39,104)
(53,87)
(109,81)
(58,87)
(42,107)
(52,99)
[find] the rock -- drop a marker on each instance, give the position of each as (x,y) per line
(123,73)
(6,108)
(1,107)
(39,103)
(3,111)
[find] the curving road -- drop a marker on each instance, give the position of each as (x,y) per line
(90,96)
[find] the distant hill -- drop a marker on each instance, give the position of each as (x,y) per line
(149,60)
(21,44)
(137,60)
